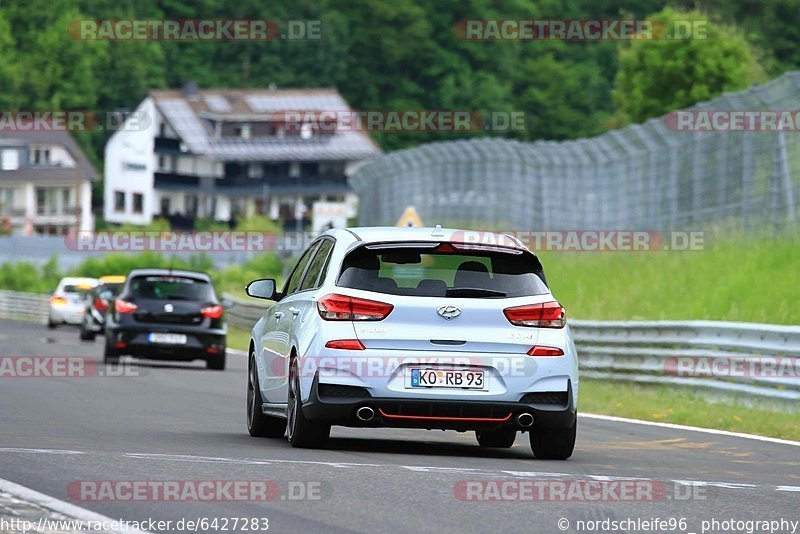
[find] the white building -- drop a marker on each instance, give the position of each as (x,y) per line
(228,153)
(45,183)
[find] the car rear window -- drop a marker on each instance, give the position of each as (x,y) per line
(443,270)
(69,288)
(171,288)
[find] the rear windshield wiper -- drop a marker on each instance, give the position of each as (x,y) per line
(473,292)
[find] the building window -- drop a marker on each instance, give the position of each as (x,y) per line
(138,203)
(6,200)
(165,206)
(9,160)
(119,201)
(40,156)
(54,201)
(244,131)
(294,170)
(255,170)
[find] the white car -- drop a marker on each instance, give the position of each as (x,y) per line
(414,328)
(68,302)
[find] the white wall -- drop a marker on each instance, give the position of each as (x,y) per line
(130,164)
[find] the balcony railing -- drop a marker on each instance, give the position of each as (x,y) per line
(167,145)
(169,180)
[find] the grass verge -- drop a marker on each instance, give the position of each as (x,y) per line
(238,338)
(669,404)
(735,278)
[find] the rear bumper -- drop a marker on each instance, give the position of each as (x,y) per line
(203,344)
(436,413)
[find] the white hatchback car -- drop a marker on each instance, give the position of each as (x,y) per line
(68,302)
(415,328)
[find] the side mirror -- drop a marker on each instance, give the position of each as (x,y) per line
(263,288)
(227,303)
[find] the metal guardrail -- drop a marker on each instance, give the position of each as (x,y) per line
(21,306)
(740,358)
(631,351)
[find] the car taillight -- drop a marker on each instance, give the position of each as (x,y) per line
(344,308)
(345,344)
(212,312)
(58,301)
(100,304)
(545,315)
(123,306)
(540,350)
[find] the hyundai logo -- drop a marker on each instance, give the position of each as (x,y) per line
(449,312)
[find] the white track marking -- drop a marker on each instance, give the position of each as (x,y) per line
(38,451)
(691,428)
(65,508)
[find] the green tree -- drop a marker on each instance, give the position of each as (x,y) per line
(660,75)
(10,68)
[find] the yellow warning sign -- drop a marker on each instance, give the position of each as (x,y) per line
(410,217)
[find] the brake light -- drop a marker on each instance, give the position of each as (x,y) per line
(123,306)
(540,350)
(345,344)
(58,301)
(545,315)
(212,312)
(344,308)
(100,304)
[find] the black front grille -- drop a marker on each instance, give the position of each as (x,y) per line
(336,390)
(552,398)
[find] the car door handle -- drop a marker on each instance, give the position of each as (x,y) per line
(295,311)
(278,315)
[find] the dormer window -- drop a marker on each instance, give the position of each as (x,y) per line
(40,155)
(9,159)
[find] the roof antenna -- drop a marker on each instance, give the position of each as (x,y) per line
(437,231)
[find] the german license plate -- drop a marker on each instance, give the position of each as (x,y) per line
(167,339)
(446,378)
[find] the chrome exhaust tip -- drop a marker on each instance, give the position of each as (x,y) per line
(525,420)
(365,413)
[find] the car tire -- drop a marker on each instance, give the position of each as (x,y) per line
(86,335)
(258,424)
(110,356)
(217,363)
(301,432)
(51,324)
(500,439)
(554,443)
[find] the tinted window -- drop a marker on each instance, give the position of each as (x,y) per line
(443,271)
(171,288)
(294,279)
(311,280)
(69,288)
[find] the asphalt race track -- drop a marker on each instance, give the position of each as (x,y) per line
(181,422)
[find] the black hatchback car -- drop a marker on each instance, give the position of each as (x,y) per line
(167,315)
